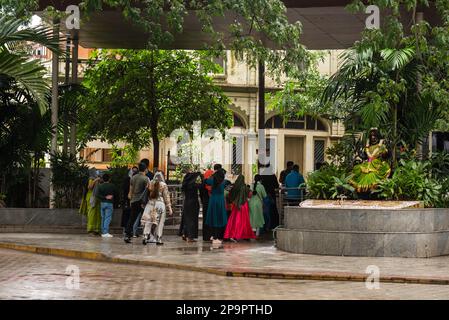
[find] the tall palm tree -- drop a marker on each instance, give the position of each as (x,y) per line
(15,64)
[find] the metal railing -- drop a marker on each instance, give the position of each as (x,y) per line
(285,199)
(177,202)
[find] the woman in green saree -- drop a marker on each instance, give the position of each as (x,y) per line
(90,206)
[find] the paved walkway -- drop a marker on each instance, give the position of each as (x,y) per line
(33,276)
(247,259)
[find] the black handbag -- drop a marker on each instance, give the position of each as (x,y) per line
(144,197)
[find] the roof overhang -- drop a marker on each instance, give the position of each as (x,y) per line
(326,25)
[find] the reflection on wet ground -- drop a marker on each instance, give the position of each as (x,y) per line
(34,276)
(244,256)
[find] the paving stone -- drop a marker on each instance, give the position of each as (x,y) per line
(32,276)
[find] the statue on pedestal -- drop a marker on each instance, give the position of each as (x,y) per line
(374,169)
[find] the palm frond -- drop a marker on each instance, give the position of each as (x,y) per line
(398,58)
(11,33)
(417,124)
(28,74)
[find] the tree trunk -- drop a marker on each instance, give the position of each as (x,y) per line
(155,151)
(29,197)
(395,133)
(74,81)
(419,146)
(54,106)
(154,115)
(36,179)
(65,142)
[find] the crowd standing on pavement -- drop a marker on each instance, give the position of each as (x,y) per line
(232,209)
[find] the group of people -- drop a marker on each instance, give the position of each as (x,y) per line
(232,210)
(98,204)
(146,203)
(292,180)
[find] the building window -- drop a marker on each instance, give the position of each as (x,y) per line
(319,147)
(91,154)
(300,123)
(107,155)
(238,122)
(440,141)
(237,155)
(221,61)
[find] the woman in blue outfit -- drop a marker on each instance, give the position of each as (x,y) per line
(217,217)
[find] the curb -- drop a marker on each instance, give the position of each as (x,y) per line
(300,275)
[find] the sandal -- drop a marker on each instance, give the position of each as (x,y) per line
(184,238)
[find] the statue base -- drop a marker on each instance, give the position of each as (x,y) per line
(364,228)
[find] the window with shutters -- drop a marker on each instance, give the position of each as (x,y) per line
(237,155)
(319,149)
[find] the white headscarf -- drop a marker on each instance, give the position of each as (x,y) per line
(159,176)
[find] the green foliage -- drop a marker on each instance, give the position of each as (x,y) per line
(70,112)
(25,136)
(15,64)
(394,79)
(302,94)
(342,186)
(19,9)
(439,163)
(439,166)
(142,96)
(327,183)
(25,126)
(69,177)
(258,22)
(411,181)
(123,157)
(346,152)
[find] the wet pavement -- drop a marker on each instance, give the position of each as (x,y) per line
(34,276)
(254,258)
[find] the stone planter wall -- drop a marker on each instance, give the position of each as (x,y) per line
(47,220)
(365,232)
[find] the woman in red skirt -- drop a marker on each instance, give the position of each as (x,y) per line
(239,225)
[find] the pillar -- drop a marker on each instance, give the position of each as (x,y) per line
(54,104)
(74,82)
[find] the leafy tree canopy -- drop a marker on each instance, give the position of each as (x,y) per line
(142,96)
(302,95)
(20,9)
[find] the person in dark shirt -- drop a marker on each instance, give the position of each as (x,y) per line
(126,205)
(284,173)
(293,182)
(271,184)
(138,184)
(106,192)
(148,173)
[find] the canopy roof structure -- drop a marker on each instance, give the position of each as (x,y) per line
(326,25)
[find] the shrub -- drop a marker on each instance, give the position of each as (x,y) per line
(328,182)
(412,180)
(69,177)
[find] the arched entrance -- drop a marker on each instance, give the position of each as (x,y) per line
(302,140)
